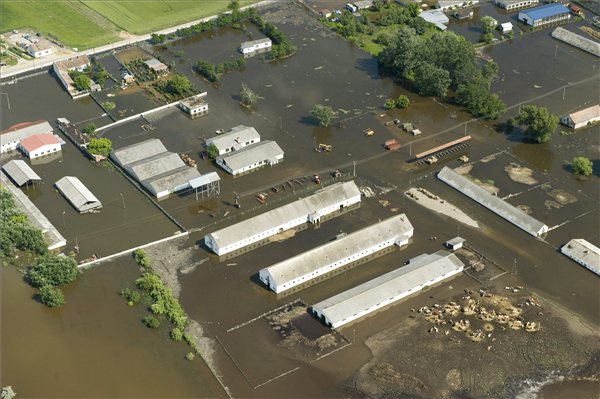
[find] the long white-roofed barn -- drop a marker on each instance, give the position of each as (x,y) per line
(334,257)
(254,232)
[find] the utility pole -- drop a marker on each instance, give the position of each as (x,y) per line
(354,169)
(514,271)
(236,198)
(564,92)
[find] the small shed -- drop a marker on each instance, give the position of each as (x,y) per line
(77,194)
(455,243)
(20,172)
(505,27)
(325,13)
(156,66)
(415,132)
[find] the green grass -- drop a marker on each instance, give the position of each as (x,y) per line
(145,16)
(71,22)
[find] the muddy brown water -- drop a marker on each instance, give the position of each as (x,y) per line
(332,71)
(96,344)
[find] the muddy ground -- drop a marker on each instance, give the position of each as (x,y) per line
(452,365)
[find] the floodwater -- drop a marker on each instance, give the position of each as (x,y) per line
(471,29)
(328,70)
(95,346)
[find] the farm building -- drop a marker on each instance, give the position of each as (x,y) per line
(584,253)
(454,4)
(40,144)
(161,172)
(77,194)
(20,172)
(253,232)
(436,17)
(510,5)
(544,15)
(62,69)
(455,244)
(195,105)
(493,203)
(237,138)
(334,257)
(51,235)
(40,49)
(256,47)
(421,272)
(11,137)
(363,4)
(251,157)
(156,66)
(582,118)
(575,40)
(505,27)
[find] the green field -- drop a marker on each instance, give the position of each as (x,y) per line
(71,22)
(143,16)
(85,24)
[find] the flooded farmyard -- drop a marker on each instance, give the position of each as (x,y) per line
(260,344)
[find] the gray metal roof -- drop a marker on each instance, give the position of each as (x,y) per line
(132,153)
(77,194)
(578,41)
(20,172)
(158,164)
(204,180)
(303,207)
(419,271)
(493,203)
(584,252)
(155,64)
(250,44)
(237,136)
(17,134)
(251,154)
(171,180)
(435,17)
(305,263)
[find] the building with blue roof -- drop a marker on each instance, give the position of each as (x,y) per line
(544,15)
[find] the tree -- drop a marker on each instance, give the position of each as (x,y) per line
(582,166)
(476,97)
(433,80)
(390,103)
(53,270)
(402,101)
(322,113)
(7,393)
(51,296)
(540,123)
(141,258)
(234,5)
(82,82)
(151,322)
(176,334)
(178,84)
(212,151)
(488,38)
(488,23)
(90,128)
(100,146)
(247,96)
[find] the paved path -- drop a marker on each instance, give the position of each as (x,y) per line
(9,71)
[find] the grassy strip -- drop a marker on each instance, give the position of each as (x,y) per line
(163,304)
(141,17)
(69,21)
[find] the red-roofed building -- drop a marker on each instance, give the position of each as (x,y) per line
(40,144)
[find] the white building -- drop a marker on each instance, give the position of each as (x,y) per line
(77,194)
(195,105)
(436,17)
(582,118)
(510,5)
(505,27)
(584,253)
(40,144)
(454,4)
(421,272)
(500,207)
(251,157)
(40,49)
(256,46)
(237,138)
(351,7)
(62,69)
(544,15)
(455,244)
(255,231)
(363,4)
(334,257)
(11,137)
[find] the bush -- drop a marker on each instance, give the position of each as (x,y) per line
(390,103)
(322,114)
(53,270)
(132,296)
(190,356)
(90,128)
(100,146)
(212,151)
(402,101)
(582,166)
(158,308)
(176,334)
(51,296)
(81,82)
(141,258)
(151,322)
(108,105)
